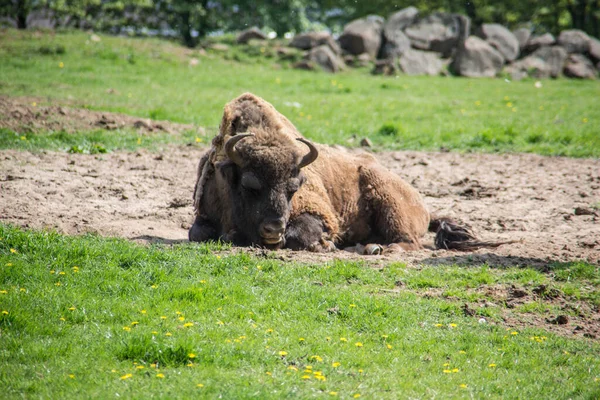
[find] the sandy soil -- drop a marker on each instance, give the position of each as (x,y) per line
(545,202)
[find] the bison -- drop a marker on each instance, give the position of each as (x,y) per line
(264,184)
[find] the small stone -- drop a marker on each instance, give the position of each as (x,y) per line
(366,142)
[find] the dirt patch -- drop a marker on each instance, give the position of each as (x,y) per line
(146,196)
(546,202)
(26,115)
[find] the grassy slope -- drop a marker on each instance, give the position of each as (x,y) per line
(79,314)
(154,79)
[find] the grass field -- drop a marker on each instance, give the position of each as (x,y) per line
(93,317)
(150,78)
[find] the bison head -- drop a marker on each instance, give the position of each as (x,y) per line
(262,175)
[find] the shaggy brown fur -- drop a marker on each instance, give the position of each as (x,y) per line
(345,200)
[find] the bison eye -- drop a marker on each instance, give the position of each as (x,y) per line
(293,186)
(251,182)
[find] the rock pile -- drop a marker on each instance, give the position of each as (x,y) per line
(442,43)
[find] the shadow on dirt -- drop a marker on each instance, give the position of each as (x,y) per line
(498,261)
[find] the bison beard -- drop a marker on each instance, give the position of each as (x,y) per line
(258,186)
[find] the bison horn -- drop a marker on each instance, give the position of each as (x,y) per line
(230,150)
(311,156)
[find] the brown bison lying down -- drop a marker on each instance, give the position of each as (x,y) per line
(263,184)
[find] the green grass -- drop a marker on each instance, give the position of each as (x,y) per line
(95,142)
(87,316)
(154,79)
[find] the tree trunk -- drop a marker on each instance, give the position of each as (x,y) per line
(22,10)
(185,29)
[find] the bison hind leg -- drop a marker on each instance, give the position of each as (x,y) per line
(305,232)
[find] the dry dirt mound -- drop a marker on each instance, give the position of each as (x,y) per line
(29,115)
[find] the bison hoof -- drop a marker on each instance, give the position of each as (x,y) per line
(322,246)
(371,249)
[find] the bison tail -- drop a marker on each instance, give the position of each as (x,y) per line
(449,235)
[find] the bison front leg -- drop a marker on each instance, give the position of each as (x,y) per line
(202,230)
(305,232)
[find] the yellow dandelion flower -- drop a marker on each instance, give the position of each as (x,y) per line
(168,334)
(13,251)
(259,267)
(439,325)
(62,319)
(163,317)
(336,364)
(3,292)
(358,344)
(126,376)
(492,365)
(453,325)
(268,373)
(143,311)
(188,324)
(57,284)
(343,339)
(462,386)
(61,273)
(22,290)
(52,271)
(317,358)
(308,367)
(203,281)
(191,355)
(462,352)
(72,376)
(356,395)
(182,318)
(305,376)
(447,371)
(320,378)
(283,353)
(8,265)
(585,120)
(160,375)
(153,365)
(61,64)
(190,364)
(292,368)
(455,370)
(140,367)
(509,104)
(514,333)
(154,332)
(220,323)
(4,312)
(126,328)
(333,393)
(360,371)
(154,286)
(134,323)
(301,339)
(200,385)
(352,305)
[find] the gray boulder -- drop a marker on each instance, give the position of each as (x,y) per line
(579,66)
(310,40)
(395,42)
(594,51)
(574,41)
(362,36)
(522,35)
(554,56)
(252,33)
(529,66)
(476,58)
(325,58)
(547,39)
(439,32)
(501,39)
(417,62)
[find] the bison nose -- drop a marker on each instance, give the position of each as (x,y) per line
(272,228)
